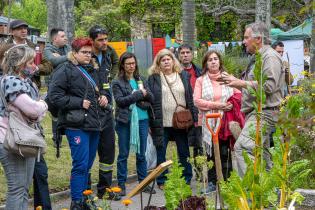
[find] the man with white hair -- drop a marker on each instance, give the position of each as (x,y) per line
(256,38)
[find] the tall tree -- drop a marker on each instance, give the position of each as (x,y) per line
(61,14)
(263,12)
(188,22)
(66,14)
(31,11)
(52,14)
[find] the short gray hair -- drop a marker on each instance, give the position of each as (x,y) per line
(259,29)
(16,57)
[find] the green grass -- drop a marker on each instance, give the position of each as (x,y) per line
(59,168)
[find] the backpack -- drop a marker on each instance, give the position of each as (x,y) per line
(51,107)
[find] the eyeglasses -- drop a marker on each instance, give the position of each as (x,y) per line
(85,52)
(130,64)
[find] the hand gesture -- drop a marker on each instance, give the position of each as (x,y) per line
(86,104)
(144,92)
(102,100)
(56,55)
(231,81)
(227,107)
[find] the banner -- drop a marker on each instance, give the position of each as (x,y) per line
(157,45)
(120,47)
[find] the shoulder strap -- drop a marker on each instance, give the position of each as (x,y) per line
(168,84)
(2,93)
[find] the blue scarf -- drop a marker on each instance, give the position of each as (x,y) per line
(134,130)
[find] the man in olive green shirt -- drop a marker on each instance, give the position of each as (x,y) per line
(256,37)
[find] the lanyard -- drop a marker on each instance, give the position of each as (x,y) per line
(88,77)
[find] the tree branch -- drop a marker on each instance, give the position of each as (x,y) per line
(277,23)
(224,9)
(218,11)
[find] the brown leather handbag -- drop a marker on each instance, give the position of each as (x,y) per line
(182,119)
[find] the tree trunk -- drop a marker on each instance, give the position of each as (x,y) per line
(312,47)
(263,12)
(52,13)
(66,17)
(60,14)
(188,21)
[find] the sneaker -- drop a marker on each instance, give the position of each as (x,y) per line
(123,191)
(148,189)
(114,196)
(161,186)
(210,188)
(76,205)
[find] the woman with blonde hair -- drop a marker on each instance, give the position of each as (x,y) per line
(22,97)
(170,87)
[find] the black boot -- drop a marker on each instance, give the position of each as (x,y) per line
(76,205)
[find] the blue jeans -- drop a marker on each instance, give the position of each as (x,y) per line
(83,146)
(19,173)
(123,132)
(180,137)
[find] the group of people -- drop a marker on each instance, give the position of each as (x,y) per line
(88,76)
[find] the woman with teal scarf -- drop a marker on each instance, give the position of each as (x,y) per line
(133,104)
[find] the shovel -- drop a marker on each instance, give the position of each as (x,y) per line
(217,158)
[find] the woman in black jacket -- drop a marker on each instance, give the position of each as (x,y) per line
(77,92)
(166,77)
(133,98)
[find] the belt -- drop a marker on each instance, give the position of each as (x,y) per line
(272,108)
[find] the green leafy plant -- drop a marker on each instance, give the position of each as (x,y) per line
(176,188)
(201,166)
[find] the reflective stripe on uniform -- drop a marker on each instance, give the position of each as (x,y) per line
(106,167)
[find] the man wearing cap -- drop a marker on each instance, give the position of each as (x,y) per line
(18,29)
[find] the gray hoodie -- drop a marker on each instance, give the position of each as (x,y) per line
(56,60)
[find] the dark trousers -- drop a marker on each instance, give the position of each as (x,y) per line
(198,150)
(106,153)
(226,162)
(180,137)
(54,131)
(41,190)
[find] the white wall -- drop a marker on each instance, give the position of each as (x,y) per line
(295,50)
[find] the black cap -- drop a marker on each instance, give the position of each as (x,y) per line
(17,23)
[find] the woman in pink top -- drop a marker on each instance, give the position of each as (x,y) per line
(23,98)
(211,97)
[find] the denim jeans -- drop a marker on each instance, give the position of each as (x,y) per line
(123,131)
(83,146)
(40,185)
(19,173)
(180,137)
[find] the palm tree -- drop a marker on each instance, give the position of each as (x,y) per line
(188,22)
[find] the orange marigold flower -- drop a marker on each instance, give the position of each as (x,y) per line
(116,189)
(108,190)
(127,202)
(87,192)
(39,208)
